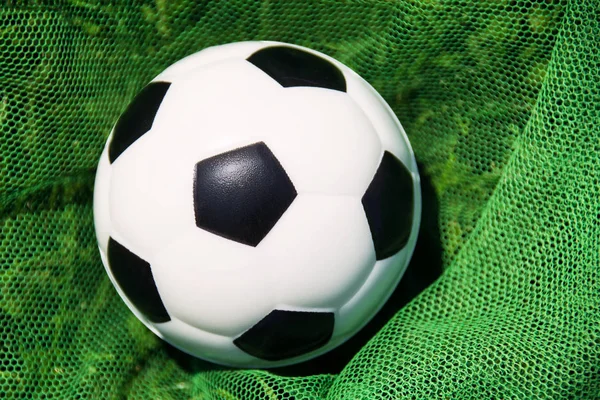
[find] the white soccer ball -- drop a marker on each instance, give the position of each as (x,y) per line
(256,204)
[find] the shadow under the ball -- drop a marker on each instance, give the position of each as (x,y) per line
(424,268)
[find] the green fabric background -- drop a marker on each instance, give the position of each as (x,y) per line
(501,102)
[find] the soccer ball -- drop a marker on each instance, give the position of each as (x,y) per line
(256,204)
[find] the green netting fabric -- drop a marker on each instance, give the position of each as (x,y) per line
(501,101)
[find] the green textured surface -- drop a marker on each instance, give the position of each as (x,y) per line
(501,102)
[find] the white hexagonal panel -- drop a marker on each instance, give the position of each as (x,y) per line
(319,253)
(390,131)
(212,283)
(150,195)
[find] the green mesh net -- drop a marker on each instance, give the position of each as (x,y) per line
(501,102)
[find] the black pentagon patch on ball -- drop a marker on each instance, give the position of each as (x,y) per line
(293,67)
(240,195)
(285,334)
(134,277)
(388,204)
(137,118)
